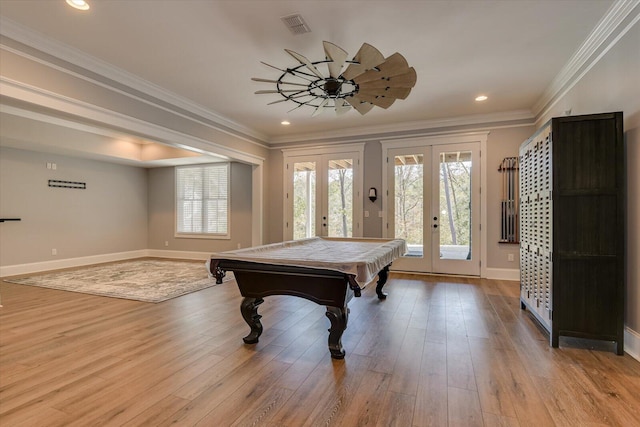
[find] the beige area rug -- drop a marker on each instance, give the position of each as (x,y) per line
(140,280)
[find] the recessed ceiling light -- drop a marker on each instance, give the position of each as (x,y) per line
(285,123)
(481,98)
(78,4)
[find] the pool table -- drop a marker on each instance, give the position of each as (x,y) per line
(327,271)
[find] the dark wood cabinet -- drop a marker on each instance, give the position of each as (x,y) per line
(572,211)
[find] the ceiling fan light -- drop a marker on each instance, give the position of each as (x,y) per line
(78,4)
(481,98)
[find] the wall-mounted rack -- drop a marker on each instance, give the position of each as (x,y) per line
(68,184)
(509,232)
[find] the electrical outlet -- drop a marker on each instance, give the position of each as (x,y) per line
(166,243)
(54,166)
(54,251)
(239,246)
(366,214)
(380,214)
(510,257)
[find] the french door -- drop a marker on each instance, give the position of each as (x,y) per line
(433,203)
(323,195)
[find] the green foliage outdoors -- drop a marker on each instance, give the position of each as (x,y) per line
(455,202)
(340,203)
(455,192)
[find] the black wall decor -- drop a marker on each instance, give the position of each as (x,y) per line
(68,184)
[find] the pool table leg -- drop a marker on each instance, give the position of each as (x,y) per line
(216,271)
(338,317)
(219,274)
(249,310)
(382,279)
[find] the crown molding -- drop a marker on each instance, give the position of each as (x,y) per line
(154,132)
(620,17)
(168,100)
(409,129)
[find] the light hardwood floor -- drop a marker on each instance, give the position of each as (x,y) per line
(439,351)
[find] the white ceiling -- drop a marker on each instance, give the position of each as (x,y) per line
(205,52)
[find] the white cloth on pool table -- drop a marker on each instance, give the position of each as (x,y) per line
(363,258)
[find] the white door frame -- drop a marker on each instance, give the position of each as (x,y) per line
(410,263)
(443,265)
(356,151)
(454,138)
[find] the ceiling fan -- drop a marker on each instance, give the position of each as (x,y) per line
(368,80)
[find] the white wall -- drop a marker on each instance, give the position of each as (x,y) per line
(501,143)
(372,226)
(110,216)
(273,195)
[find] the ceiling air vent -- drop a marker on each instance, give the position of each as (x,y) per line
(295,23)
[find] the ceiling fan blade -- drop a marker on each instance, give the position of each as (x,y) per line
(289,97)
(341,106)
(273,66)
(359,105)
(320,108)
(262,92)
(389,92)
(407,79)
(256,79)
(279,100)
(367,58)
(380,101)
(392,66)
(304,61)
(300,104)
(337,56)
(295,108)
(298,75)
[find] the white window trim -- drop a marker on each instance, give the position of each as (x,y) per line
(210,236)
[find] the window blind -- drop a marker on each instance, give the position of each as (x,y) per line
(202,199)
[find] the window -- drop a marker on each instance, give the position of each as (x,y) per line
(202,200)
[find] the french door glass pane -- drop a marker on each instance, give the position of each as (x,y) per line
(340,198)
(455,205)
(409,201)
(304,200)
